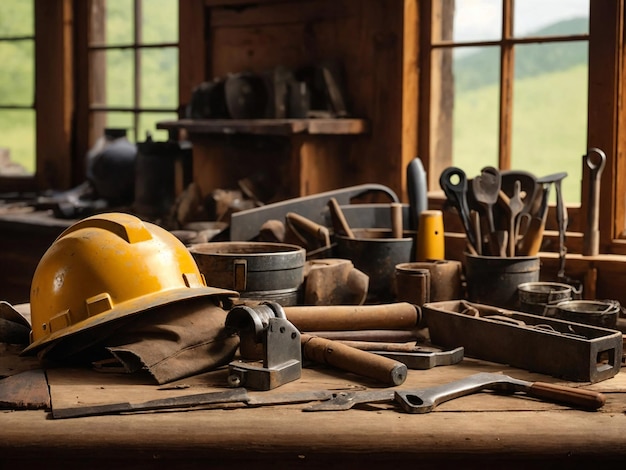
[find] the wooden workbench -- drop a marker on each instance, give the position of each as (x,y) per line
(483,430)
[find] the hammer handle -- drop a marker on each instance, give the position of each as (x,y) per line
(577,397)
(366,364)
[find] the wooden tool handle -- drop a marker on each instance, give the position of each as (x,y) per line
(340,224)
(394,316)
(396,220)
(567,395)
(366,364)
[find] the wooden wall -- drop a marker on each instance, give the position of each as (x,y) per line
(375,42)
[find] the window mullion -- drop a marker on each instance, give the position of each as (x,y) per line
(137,56)
(507,75)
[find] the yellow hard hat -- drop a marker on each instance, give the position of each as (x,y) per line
(106,267)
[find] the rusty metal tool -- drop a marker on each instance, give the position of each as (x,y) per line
(426,400)
(175,403)
(196,400)
(413,355)
(422,360)
(594,160)
(364,363)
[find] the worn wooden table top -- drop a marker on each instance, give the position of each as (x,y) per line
(485,429)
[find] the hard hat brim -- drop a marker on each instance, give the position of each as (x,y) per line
(128,308)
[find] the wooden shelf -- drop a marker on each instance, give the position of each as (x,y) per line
(284,127)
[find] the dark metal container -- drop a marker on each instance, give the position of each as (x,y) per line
(602,313)
(376,253)
(258,271)
(493,280)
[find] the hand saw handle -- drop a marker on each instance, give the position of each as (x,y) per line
(577,397)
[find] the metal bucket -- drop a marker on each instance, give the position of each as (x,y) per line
(376,253)
(493,280)
(536,297)
(258,271)
(603,313)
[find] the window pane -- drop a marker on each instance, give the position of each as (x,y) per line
(16,18)
(119,22)
(557,17)
(16,84)
(17,142)
(147,124)
(115,68)
(159,78)
(550,111)
(474,20)
(160,21)
(476,104)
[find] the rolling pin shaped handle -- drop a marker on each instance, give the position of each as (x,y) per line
(577,397)
(364,363)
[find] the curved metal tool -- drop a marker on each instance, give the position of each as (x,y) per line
(424,401)
(453,181)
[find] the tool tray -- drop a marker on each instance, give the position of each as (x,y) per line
(573,351)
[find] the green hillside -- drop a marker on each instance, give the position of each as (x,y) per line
(531,60)
(549,103)
(549,127)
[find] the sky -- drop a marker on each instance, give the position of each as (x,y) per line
(475,19)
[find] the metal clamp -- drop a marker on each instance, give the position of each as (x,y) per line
(264,327)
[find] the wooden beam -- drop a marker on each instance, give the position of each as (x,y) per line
(54,88)
(192,48)
(606,49)
(507,79)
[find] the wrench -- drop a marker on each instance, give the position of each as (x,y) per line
(426,400)
(591,237)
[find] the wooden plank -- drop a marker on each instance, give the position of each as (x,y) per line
(284,127)
(307,11)
(27,390)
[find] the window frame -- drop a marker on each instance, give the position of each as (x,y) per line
(605,113)
(53,101)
